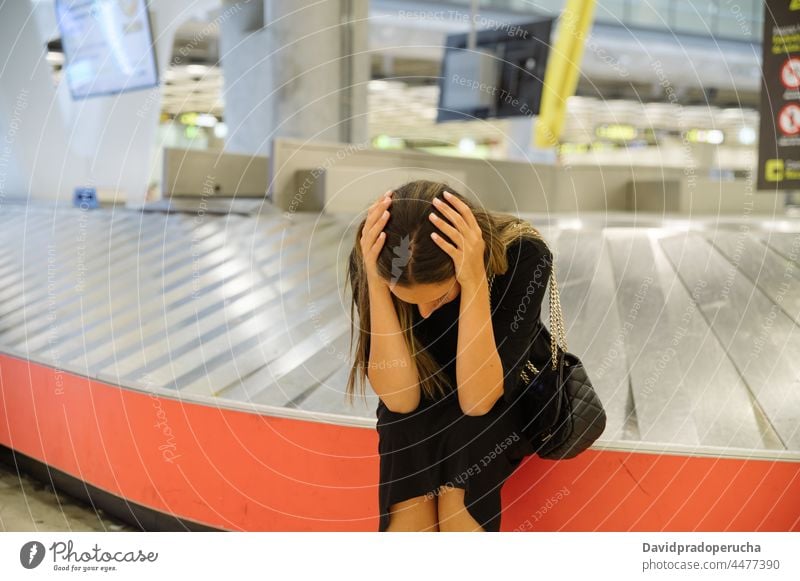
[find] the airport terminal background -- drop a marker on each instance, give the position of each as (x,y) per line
(205,293)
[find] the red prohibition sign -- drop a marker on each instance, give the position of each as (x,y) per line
(789,119)
(790,73)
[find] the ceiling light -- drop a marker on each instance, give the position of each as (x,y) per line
(205,120)
(715,136)
(747,136)
(466,145)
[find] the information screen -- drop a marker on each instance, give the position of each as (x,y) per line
(779,137)
(502,77)
(108,46)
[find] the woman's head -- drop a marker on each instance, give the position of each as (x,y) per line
(419,274)
(416,270)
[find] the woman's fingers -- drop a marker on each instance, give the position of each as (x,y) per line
(451,213)
(445,245)
(377,245)
(380,200)
(380,222)
(462,208)
(380,214)
(374,211)
(376,214)
(457,230)
(445,227)
(373,249)
(372,236)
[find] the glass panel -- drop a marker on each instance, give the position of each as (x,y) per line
(651,14)
(730,26)
(740,19)
(545,6)
(737,19)
(696,18)
(612,11)
(758,21)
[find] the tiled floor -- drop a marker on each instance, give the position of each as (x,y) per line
(29,505)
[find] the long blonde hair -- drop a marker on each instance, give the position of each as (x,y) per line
(408,234)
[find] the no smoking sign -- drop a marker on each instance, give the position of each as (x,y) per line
(790,73)
(789,119)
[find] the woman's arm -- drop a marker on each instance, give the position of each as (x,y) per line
(505,341)
(486,369)
(391,371)
(479,370)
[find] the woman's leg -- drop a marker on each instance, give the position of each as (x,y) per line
(453,515)
(416,514)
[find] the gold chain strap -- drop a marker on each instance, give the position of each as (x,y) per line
(558,335)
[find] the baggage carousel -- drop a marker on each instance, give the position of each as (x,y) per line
(185,369)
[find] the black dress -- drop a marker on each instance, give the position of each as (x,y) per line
(437,444)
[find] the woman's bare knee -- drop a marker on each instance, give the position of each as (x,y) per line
(416,514)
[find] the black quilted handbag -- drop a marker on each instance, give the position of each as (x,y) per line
(563,414)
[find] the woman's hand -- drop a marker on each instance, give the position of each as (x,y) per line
(467,254)
(373,237)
